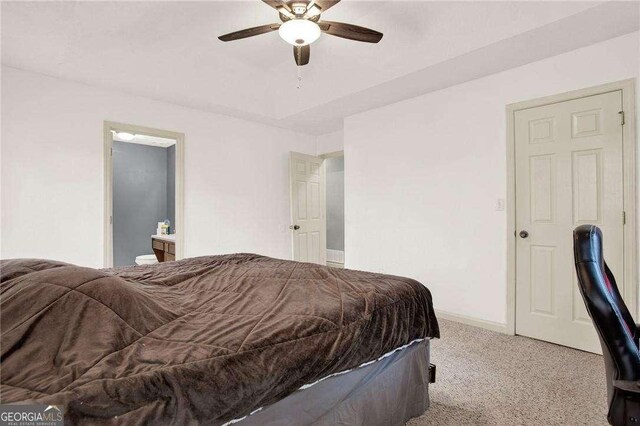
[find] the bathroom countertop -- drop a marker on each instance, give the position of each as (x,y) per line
(171,237)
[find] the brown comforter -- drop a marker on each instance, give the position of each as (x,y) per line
(201,340)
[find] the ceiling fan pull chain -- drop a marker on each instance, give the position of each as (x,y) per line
(299,77)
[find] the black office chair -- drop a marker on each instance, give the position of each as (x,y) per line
(616,328)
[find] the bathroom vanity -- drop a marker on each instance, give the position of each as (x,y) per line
(164,247)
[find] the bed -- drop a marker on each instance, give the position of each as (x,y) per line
(228,339)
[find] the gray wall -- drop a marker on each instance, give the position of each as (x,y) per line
(335,203)
(139,198)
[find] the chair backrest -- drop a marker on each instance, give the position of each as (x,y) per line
(611,318)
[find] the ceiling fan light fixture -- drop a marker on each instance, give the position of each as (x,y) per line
(299,32)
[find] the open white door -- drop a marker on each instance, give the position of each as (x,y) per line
(308,221)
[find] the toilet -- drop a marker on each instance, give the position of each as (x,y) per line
(146,259)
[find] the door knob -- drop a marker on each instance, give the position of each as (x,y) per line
(294,227)
(524,234)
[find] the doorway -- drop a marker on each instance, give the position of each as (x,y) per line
(143,193)
(571,163)
(334,169)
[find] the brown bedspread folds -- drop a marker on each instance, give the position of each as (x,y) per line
(201,340)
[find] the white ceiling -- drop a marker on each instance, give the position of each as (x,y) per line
(169,50)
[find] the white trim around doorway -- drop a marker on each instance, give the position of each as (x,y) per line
(110,126)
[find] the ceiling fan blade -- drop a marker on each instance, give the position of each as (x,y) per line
(301,54)
(350,31)
(249,32)
(277,4)
(326,4)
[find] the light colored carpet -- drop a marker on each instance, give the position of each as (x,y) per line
(488,378)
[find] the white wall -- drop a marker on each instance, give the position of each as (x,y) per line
(330,142)
(422,177)
(236,172)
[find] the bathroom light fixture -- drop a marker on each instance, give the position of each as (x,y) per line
(125,136)
(299,32)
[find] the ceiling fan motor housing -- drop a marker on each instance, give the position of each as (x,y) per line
(299,9)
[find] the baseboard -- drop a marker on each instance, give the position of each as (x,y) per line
(335,256)
(487,325)
(335,264)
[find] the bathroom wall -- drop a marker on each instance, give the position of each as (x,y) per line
(335,203)
(139,198)
(171,186)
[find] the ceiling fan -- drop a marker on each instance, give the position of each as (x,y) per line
(301,26)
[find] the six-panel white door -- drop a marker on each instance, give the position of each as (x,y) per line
(308,223)
(568,173)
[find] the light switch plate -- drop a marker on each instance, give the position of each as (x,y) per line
(500,204)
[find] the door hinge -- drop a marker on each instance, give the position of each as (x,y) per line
(624,218)
(111,152)
(621,117)
(111,220)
